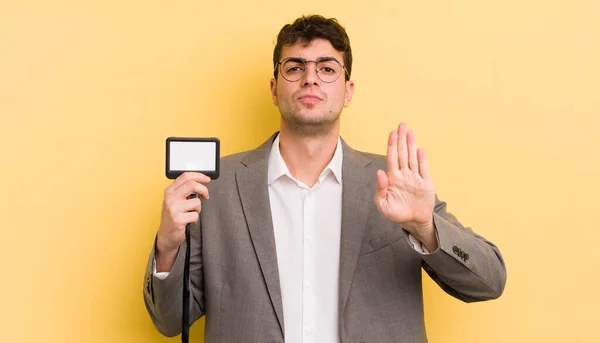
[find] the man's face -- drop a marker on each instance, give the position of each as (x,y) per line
(310,102)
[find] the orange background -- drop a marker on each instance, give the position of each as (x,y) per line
(503,96)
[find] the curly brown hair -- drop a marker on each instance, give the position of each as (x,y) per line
(307,28)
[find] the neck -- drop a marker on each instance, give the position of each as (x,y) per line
(307,155)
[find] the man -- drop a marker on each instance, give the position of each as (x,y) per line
(305,239)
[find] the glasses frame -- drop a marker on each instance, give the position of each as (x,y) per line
(277,69)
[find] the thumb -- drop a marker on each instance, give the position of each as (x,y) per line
(382,184)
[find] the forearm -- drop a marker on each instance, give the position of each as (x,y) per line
(163,295)
(165,259)
(466,265)
(163,298)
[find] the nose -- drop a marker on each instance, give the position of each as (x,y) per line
(310,75)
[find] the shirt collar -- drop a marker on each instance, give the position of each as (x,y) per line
(278,168)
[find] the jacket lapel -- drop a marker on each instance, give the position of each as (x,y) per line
(356,202)
(252,185)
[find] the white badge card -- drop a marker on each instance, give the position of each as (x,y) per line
(192,155)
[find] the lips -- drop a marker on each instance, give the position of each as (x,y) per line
(310,98)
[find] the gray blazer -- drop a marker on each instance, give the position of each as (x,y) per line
(233,271)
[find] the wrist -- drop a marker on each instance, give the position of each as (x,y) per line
(424,233)
(419,230)
(165,259)
(164,254)
(162,245)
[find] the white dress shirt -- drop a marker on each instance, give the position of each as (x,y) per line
(307,229)
(307,226)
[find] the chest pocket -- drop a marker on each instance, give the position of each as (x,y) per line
(380,234)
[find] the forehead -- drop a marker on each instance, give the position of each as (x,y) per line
(316,48)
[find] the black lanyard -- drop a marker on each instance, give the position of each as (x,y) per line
(185,315)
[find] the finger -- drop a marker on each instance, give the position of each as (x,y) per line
(176,209)
(413,162)
(423,166)
(185,177)
(382,184)
(187,218)
(201,190)
(190,205)
(190,187)
(392,152)
(402,148)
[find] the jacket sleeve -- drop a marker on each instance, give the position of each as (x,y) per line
(465,265)
(163,298)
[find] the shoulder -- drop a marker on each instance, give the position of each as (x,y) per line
(370,160)
(228,164)
(377,161)
(234,158)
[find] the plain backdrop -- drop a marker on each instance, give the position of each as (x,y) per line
(504,96)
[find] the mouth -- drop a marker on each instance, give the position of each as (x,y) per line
(310,98)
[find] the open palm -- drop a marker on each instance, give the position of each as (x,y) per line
(405,194)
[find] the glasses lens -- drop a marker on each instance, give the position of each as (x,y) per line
(292,70)
(328,70)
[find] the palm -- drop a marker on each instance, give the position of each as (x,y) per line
(405,194)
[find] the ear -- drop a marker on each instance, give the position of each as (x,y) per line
(349,92)
(274,91)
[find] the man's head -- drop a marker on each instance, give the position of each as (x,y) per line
(312,64)
(306,29)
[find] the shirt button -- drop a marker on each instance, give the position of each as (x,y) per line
(307,283)
(309,239)
(307,332)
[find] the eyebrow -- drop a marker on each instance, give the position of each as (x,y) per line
(327,58)
(320,59)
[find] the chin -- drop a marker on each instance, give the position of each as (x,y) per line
(309,117)
(313,120)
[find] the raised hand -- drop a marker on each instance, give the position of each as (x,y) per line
(405,194)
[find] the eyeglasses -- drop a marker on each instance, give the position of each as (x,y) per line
(294,68)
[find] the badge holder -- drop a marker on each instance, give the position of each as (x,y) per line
(190,155)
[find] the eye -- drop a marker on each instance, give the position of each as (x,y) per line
(294,69)
(328,67)
(328,70)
